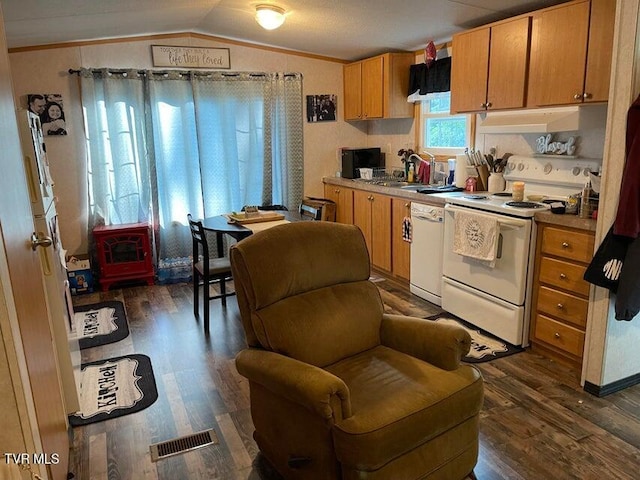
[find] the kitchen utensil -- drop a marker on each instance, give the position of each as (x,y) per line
(489,159)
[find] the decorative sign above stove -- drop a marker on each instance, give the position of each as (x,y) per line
(545,146)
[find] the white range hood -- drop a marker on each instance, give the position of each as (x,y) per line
(542,120)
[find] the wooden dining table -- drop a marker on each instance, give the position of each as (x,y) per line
(221,226)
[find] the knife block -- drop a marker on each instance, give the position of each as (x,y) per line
(483,177)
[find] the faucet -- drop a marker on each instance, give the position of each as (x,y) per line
(433,173)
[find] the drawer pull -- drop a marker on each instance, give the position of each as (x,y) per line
(337,190)
(557,335)
(565,245)
(563,276)
(560,306)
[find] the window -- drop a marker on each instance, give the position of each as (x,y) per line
(440,132)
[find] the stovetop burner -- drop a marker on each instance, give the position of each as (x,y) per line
(524,204)
(502,194)
(476,197)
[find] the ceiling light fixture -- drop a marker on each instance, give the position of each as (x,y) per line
(269,17)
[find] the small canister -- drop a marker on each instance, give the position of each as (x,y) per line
(471,184)
(517,191)
(572,203)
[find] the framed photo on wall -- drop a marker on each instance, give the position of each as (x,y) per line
(322,108)
(49,107)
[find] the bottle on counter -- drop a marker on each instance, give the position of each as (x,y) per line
(412,173)
(585,204)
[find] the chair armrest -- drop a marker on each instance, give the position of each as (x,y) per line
(436,343)
(316,389)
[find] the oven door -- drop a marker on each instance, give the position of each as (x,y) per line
(507,279)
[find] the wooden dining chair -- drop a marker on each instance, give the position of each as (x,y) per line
(207,270)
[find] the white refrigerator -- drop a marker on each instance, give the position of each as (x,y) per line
(52,255)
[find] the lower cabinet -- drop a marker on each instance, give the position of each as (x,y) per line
(561,296)
(400,249)
(343,198)
(372,213)
(380,217)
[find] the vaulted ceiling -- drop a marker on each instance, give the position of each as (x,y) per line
(343,29)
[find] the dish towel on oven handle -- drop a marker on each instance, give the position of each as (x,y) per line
(476,236)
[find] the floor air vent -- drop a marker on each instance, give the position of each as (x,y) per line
(182,444)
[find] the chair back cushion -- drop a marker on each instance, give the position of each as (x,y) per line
(303,291)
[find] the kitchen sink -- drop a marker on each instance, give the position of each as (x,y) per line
(432,188)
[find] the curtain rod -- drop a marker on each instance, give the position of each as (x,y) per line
(182,72)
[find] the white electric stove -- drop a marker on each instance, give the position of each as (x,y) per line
(496,296)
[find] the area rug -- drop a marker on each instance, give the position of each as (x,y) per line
(484,346)
(100,323)
(115,387)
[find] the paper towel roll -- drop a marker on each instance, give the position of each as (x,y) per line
(460,175)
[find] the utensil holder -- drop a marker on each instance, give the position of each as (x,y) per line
(497,183)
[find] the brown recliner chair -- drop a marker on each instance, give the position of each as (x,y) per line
(339,389)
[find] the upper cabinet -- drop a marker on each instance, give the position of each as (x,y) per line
(489,67)
(559,55)
(377,87)
(571,51)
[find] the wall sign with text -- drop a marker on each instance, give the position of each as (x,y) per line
(190,57)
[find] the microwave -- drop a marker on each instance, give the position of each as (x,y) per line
(355,158)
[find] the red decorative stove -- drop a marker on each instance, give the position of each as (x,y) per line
(124,253)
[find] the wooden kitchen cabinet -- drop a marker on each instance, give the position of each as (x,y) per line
(401,250)
(343,198)
(377,87)
(571,50)
(489,66)
(372,213)
(560,295)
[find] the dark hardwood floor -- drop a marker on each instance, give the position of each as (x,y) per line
(537,422)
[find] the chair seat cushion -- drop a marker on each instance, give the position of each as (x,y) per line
(217,266)
(400,402)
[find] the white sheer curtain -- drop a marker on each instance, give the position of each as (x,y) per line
(215,142)
(117,159)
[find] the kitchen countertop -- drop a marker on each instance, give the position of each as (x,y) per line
(566,220)
(384,190)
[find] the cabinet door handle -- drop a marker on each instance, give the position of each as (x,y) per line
(483,105)
(337,190)
(565,245)
(406,205)
(586,95)
(577,96)
(557,335)
(563,276)
(488,104)
(560,306)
